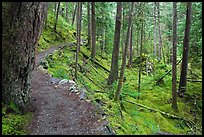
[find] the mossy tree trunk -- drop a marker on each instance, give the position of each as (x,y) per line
(122,71)
(21,27)
(113,76)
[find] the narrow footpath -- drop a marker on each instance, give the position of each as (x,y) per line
(57,111)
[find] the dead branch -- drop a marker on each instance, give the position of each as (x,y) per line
(163,113)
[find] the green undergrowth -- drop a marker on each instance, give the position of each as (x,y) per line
(14,123)
(63,34)
(124,117)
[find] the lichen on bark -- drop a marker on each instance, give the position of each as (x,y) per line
(18,48)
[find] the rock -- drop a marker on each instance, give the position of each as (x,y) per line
(54,80)
(72,88)
(44,63)
(83,94)
(76,91)
(40,67)
(63,81)
(71,82)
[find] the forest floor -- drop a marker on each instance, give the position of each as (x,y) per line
(58,111)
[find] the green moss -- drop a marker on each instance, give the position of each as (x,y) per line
(13,123)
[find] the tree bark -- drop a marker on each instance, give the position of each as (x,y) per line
(140,68)
(89,24)
(155,32)
(184,67)
(22,23)
(74,13)
(130,50)
(55,7)
(113,76)
(93,50)
(58,7)
(78,27)
(160,39)
(117,94)
(175,20)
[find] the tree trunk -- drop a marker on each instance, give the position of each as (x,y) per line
(113,76)
(89,24)
(184,67)
(140,68)
(117,94)
(175,20)
(155,32)
(22,23)
(93,50)
(78,20)
(58,7)
(74,13)
(160,39)
(55,7)
(130,55)
(137,45)
(123,30)
(67,19)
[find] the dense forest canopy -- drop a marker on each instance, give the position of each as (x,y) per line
(141,62)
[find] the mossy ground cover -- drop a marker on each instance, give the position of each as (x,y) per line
(123,116)
(49,37)
(130,119)
(14,123)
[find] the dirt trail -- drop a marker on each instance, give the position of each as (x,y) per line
(57,111)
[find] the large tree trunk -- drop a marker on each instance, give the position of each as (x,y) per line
(175,20)
(113,76)
(79,13)
(58,7)
(89,24)
(184,67)
(93,50)
(117,94)
(21,27)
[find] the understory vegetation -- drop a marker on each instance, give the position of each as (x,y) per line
(147,112)
(13,122)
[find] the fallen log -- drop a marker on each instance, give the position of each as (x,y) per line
(95,62)
(161,112)
(160,79)
(97,71)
